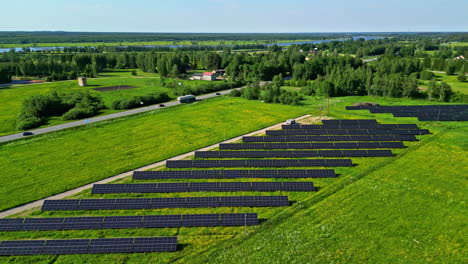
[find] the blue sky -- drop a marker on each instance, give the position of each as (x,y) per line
(235,15)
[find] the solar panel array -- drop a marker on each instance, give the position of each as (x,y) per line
(293,154)
(422,112)
(88,246)
(318,145)
(232,174)
(354,126)
(158,203)
(120,222)
(203,187)
(347,132)
(372,135)
(259,163)
(330,138)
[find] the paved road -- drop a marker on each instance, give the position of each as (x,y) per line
(39,203)
(102,118)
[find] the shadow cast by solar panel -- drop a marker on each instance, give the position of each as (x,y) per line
(262,220)
(181,246)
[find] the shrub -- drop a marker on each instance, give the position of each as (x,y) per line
(75,105)
(458,97)
(79,113)
(461,77)
(27,121)
(235,93)
(136,101)
(426,75)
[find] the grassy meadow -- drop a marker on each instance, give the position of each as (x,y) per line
(451,80)
(410,208)
(11,97)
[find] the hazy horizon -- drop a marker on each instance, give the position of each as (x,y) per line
(237,16)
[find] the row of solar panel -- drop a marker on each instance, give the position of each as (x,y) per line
(464,106)
(352,126)
(347,132)
(157,203)
(349,121)
(88,246)
(422,114)
(320,145)
(232,174)
(419,111)
(204,187)
(293,154)
(438,118)
(119,222)
(329,138)
(259,163)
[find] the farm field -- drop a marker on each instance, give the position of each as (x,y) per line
(11,97)
(403,209)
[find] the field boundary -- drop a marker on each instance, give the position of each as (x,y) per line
(38,203)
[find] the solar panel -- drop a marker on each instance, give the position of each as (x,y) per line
(151,203)
(316,145)
(232,174)
(293,154)
(352,126)
(120,222)
(259,163)
(422,112)
(204,187)
(88,246)
(330,138)
(347,132)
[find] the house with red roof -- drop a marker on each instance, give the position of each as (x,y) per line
(209,76)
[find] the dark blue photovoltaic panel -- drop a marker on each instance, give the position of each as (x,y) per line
(148,221)
(232,174)
(88,246)
(330,138)
(317,145)
(152,203)
(306,132)
(292,154)
(206,187)
(352,126)
(422,112)
(259,163)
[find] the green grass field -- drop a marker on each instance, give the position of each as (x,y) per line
(452,80)
(11,97)
(410,208)
(460,44)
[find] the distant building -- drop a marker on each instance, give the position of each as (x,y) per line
(82,81)
(209,76)
(187,99)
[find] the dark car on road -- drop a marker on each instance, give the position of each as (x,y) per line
(28,133)
(218,93)
(162,105)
